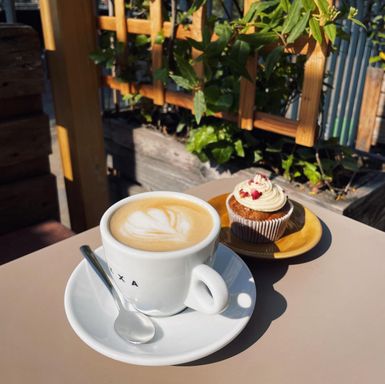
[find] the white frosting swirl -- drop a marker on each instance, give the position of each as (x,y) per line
(165,224)
(260,194)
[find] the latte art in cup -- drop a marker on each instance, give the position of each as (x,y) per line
(160,224)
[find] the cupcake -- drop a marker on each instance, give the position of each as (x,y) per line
(259,210)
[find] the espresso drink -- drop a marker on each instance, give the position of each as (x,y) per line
(160,224)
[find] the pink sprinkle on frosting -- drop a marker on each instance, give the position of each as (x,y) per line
(255,194)
(243,193)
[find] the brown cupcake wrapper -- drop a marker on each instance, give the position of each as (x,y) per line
(257,231)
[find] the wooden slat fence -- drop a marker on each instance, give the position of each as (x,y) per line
(303,130)
(370,108)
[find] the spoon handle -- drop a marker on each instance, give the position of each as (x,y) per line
(92,259)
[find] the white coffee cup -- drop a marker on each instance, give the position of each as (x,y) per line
(164,283)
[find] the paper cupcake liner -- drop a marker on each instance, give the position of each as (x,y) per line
(258,231)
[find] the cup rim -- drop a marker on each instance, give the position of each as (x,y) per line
(106,234)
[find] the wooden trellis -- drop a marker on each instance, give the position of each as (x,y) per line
(303,130)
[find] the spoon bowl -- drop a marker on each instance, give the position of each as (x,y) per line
(130,325)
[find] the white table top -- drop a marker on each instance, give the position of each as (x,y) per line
(319,318)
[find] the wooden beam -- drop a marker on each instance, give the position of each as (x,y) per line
(369,108)
(265,121)
(156,19)
(120,21)
(311,95)
(70,36)
(247,87)
(198,22)
(141,26)
(276,124)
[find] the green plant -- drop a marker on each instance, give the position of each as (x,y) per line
(220,142)
(131,64)
(225,48)
(224,59)
(329,165)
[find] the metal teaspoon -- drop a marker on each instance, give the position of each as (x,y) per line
(130,325)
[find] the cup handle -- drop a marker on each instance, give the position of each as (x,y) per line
(208,292)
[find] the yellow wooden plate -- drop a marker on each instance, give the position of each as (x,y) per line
(302,234)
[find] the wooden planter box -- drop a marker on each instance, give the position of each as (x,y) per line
(28,193)
(157,162)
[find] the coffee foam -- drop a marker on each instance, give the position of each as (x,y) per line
(160,224)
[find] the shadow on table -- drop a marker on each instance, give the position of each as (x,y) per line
(319,250)
(270,304)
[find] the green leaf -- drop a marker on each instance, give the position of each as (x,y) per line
(206,35)
(146,116)
(310,170)
(195,6)
(256,9)
(309,5)
(195,44)
(273,150)
(286,166)
(161,74)
(238,145)
(182,82)
(299,28)
(292,17)
(315,29)
(202,157)
(250,13)
(237,68)
(187,71)
(323,6)
(216,100)
(374,59)
(199,105)
(306,153)
(141,40)
(215,48)
(180,127)
(350,164)
(98,57)
(331,32)
(257,156)
(285,5)
(358,22)
(297,174)
(201,137)
(272,59)
(222,154)
(159,38)
(240,52)
(258,39)
(328,166)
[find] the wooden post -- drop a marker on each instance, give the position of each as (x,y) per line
(156,19)
(70,36)
(247,87)
(311,94)
(369,107)
(198,21)
(121,36)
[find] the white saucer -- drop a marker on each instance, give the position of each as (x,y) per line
(181,338)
